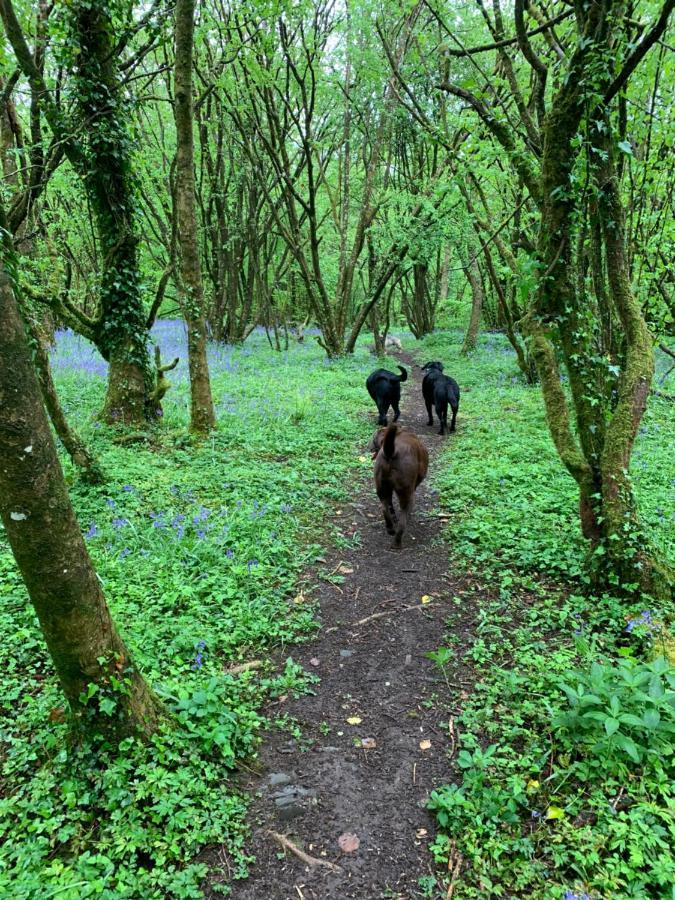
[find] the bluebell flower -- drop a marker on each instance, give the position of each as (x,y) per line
(119,522)
(93,530)
(128,488)
(229,554)
(125,553)
(250,564)
(111,503)
(201,533)
(286,507)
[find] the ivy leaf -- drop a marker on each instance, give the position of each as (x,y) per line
(626,148)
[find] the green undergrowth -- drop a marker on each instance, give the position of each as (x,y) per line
(564,770)
(199,547)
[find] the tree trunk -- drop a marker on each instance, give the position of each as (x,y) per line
(202,414)
(105,691)
(474,279)
(75,446)
(108,177)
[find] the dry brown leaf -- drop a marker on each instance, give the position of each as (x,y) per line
(425,744)
(354,720)
(348,842)
(420,833)
(314,661)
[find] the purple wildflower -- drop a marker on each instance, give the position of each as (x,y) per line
(125,553)
(229,554)
(93,530)
(250,564)
(201,533)
(111,503)
(119,522)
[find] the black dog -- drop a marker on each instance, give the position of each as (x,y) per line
(385,389)
(440,390)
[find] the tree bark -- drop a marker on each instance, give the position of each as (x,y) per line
(105,691)
(474,279)
(108,177)
(73,443)
(202,414)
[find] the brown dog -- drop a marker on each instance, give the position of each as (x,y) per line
(401,463)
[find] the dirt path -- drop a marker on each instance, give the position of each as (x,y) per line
(372,777)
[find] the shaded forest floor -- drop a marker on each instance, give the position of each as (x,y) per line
(361,755)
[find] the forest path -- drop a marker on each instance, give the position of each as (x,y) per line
(372,777)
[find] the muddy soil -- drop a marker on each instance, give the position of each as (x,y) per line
(379,733)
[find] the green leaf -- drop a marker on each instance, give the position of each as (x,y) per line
(628,745)
(625,147)
(611,726)
(651,718)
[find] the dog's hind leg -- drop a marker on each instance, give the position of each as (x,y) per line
(442,413)
(405,503)
(454,417)
(429,413)
(387,500)
(382,409)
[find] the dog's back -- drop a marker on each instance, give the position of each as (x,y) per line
(401,464)
(385,389)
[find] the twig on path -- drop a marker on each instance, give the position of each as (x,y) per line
(356,594)
(414,773)
(243,667)
(305,857)
(455,860)
(341,563)
(376,615)
(451,735)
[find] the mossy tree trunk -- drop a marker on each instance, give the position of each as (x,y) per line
(105,691)
(202,414)
(607,408)
(476,284)
(121,334)
(81,456)
(567,165)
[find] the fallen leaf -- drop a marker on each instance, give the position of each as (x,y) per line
(554,812)
(354,720)
(425,745)
(532,786)
(314,661)
(348,842)
(345,570)
(368,743)
(426,598)
(421,832)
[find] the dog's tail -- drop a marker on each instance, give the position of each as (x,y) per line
(404,373)
(389,442)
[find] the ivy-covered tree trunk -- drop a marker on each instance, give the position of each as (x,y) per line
(107,168)
(608,405)
(104,689)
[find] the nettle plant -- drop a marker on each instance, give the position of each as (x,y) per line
(619,714)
